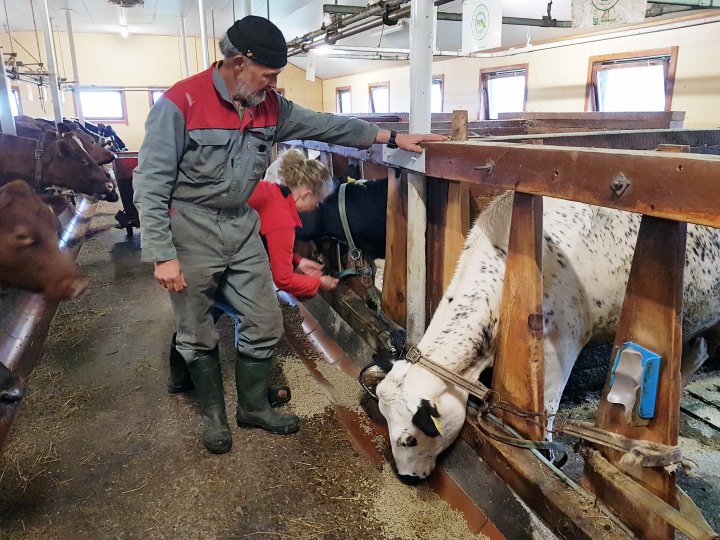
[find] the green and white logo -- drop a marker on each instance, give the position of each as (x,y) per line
(480,22)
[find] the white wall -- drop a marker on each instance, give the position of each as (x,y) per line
(557,77)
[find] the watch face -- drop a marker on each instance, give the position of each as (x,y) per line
(480,21)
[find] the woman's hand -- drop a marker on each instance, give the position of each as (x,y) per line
(328,283)
(310,267)
(169,275)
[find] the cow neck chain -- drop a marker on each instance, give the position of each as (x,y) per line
(39,157)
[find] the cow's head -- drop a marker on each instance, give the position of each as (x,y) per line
(91,143)
(424,417)
(29,255)
(67,164)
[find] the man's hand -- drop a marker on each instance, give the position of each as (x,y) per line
(310,267)
(328,283)
(410,142)
(169,275)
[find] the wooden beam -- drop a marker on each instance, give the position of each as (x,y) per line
(518,372)
(660,184)
(651,317)
(437,214)
(394,291)
(565,510)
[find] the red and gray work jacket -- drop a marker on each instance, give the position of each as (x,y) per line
(200,149)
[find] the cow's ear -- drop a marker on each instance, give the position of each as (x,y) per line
(65,148)
(12,190)
(427,419)
(63,128)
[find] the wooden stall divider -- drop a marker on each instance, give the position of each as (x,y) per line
(394,291)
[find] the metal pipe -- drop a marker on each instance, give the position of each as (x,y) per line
(7,122)
(73,62)
(203,35)
(690,3)
(247,8)
(22,340)
(422,43)
(186,58)
(51,68)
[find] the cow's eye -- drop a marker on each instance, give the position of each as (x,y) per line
(85,162)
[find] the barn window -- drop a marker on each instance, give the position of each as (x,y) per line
(437,93)
(342,96)
(108,105)
(632,82)
(502,90)
(155,95)
(380,97)
(15,103)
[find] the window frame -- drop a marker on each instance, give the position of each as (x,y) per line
(338,104)
(105,120)
(440,78)
(630,59)
(150,94)
(499,72)
(15,90)
(371,103)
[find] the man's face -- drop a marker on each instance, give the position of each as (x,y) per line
(252,80)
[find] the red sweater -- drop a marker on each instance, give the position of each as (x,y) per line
(278,219)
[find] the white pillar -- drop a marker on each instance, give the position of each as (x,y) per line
(7,122)
(186,58)
(247,8)
(421,54)
(51,68)
(73,62)
(203,35)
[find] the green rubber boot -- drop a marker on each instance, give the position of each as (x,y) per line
(254,411)
(205,373)
(179,380)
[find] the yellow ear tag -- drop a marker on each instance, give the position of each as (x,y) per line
(437,424)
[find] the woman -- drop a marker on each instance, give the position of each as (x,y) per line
(303,184)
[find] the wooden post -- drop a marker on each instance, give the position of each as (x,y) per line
(437,214)
(394,291)
(651,317)
(459,126)
(518,374)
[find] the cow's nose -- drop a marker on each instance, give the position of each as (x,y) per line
(410,479)
(11,396)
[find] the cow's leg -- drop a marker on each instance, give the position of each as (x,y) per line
(694,354)
(560,356)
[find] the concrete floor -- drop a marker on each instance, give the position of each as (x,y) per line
(100,450)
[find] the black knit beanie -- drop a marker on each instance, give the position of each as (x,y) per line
(259,40)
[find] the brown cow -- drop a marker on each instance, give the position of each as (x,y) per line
(29,255)
(59,162)
(97,152)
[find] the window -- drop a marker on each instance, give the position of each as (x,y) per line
(380,97)
(632,82)
(437,92)
(103,104)
(15,103)
(342,97)
(155,95)
(502,90)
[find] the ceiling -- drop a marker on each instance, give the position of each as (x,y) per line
(294,17)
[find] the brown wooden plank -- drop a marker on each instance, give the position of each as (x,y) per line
(651,317)
(682,187)
(459,125)
(394,291)
(457,224)
(518,372)
(437,211)
(562,508)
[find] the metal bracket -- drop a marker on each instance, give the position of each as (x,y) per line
(406,160)
(620,184)
(489,166)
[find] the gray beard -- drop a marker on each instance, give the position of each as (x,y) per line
(246,97)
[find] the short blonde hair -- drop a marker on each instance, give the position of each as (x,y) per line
(297,171)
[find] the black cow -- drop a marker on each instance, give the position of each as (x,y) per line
(365,204)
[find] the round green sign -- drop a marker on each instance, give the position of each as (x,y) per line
(480,22)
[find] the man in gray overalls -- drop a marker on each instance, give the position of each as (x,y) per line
(207,144)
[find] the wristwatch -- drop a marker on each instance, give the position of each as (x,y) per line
(391,141)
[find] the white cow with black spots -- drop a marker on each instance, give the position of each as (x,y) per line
(587,253)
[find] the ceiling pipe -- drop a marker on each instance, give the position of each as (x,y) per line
(186,57)
(7,121)
(330,36)
(51,68)
(203,35)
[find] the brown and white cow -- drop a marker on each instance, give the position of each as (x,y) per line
(587,253)
(29,255)
(62,162)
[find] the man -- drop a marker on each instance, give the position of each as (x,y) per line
(207,144)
